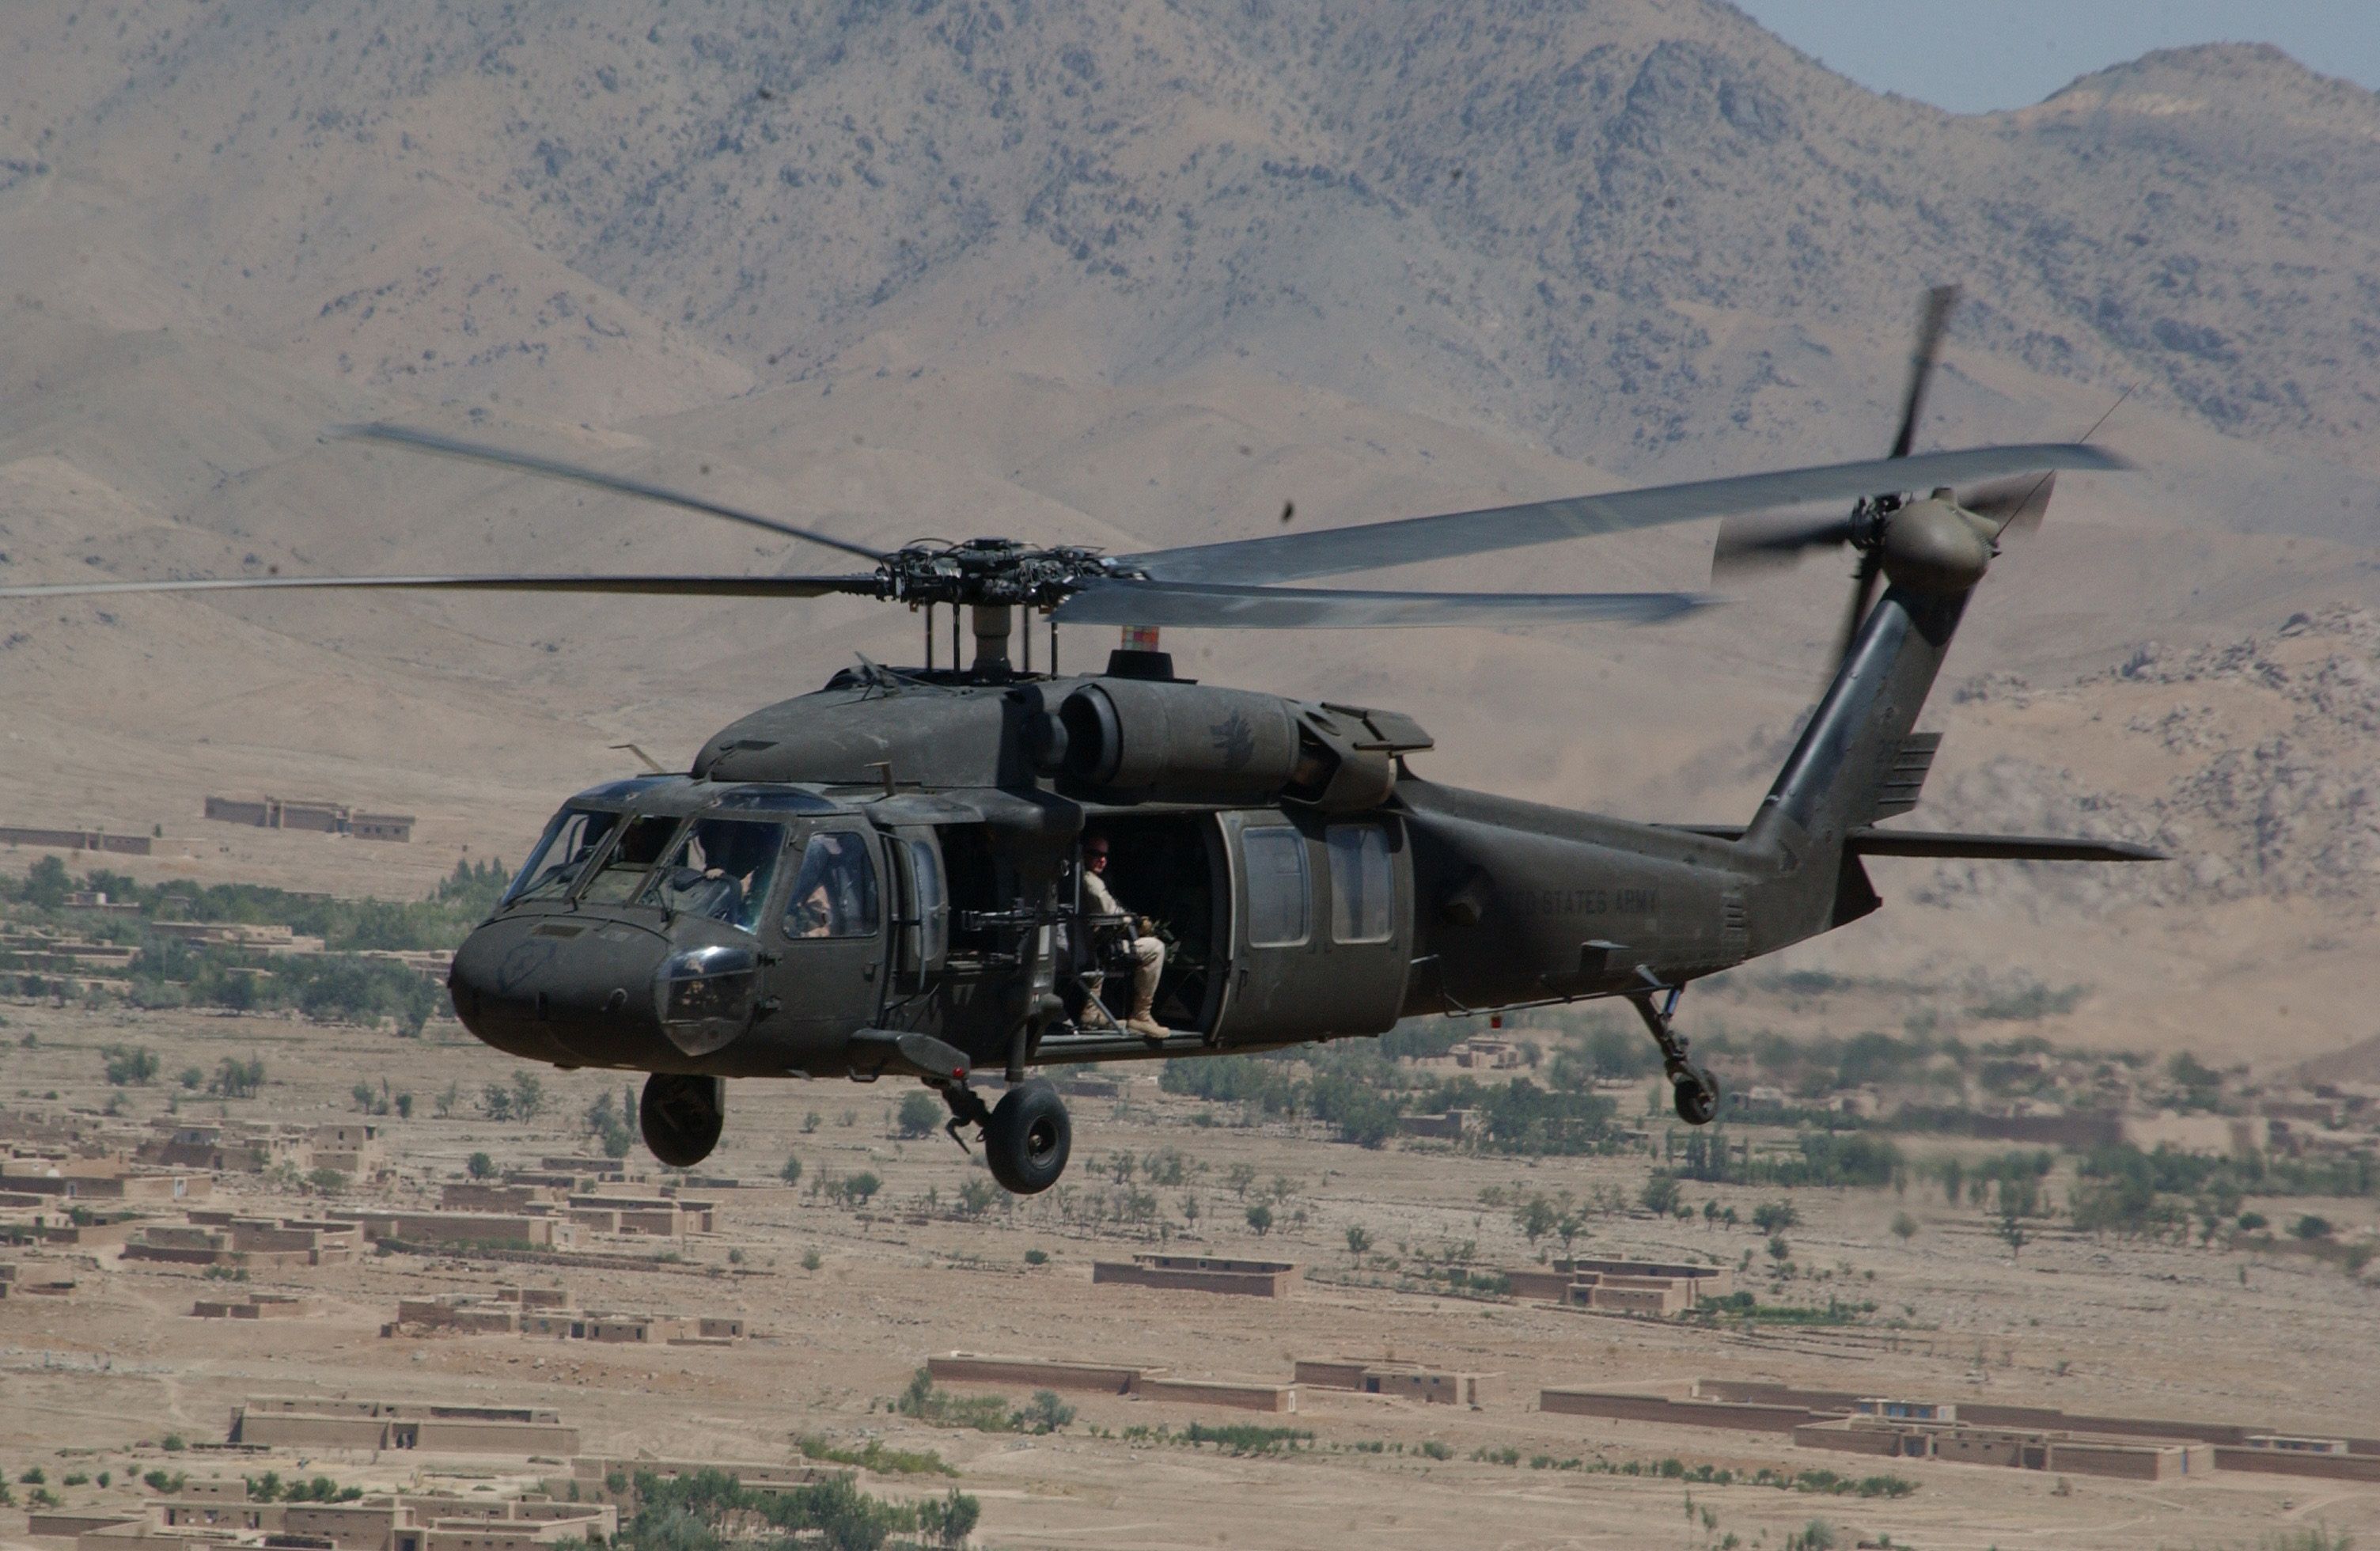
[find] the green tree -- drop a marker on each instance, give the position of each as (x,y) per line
(1536,1217)
(481,1166)
(1240,1176)
(1904,1227)
(1359,1242)
(1660,1196)
(1774,1216)
(791,1172)
(1260,1219)
(46,884)
(529,1096)
(496,1101)
(130,1065)
(861,1188)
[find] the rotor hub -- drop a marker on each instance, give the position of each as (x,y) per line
(995,571)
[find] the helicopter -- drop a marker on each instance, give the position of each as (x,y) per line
(887,877)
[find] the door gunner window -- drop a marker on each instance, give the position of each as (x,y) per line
(834,894)
(632,856)
(569,841)
(722,869)
(1281,896)
(1360,882)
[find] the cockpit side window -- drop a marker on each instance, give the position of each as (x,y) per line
(631,857)
(722,868)
(835,893)
(561,856)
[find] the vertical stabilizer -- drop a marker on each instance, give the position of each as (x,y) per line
(1860,760)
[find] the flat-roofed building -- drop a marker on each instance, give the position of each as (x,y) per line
(1201,1273)
(313,1422)
(1409,1381)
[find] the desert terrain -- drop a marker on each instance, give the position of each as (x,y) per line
(1141,274)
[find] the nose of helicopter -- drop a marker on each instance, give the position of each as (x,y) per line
(570,990)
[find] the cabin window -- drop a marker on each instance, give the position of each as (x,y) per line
(1361,888)
(1280,894)
(834,894)
(722,869)
(554,865)
(630,858)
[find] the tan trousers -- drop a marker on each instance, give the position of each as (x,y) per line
(1148,964)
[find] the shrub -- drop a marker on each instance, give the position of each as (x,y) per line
(921,1115)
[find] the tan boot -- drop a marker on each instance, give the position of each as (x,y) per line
(1143,1021)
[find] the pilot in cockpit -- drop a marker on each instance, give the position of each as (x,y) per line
(722,868)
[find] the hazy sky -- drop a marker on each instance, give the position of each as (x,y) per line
(1974,55)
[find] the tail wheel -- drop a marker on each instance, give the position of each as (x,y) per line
(1696,1096)
(1028,1138)
(682,1115)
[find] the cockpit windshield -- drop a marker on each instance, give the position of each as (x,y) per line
(625,866)
(554,865)
(722,868)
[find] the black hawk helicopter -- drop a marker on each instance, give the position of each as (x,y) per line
(887,877)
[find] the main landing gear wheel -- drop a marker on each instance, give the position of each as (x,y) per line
(1696,1093)
(1028,1139)
(681,1117)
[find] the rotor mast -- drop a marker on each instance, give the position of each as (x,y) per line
(993,624)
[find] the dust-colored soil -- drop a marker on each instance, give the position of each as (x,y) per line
(2114,1326)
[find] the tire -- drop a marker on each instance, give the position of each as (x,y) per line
(682,1117)
(1028,1139)
(1696,1096)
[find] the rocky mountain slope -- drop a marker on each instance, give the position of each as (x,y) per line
(1140,272)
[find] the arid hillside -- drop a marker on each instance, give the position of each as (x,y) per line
(1140,274)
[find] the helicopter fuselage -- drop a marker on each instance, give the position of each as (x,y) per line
(1287,918)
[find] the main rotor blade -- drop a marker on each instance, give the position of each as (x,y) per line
(552,469)
(1931,325)
(650,587)
(1214,607)
(1334,552)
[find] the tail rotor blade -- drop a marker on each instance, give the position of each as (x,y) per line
(1871,571)
(1751,543)
(2020,502)
(1931,325)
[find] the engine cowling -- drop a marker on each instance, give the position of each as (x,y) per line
(1178,742)
(1171,742)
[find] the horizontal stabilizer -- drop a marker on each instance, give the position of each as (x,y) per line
(1949,846)
(1996,848)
